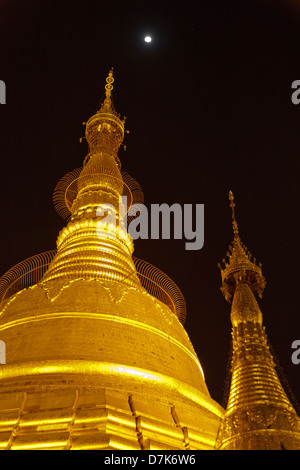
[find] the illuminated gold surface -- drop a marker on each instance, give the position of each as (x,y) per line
(93,360)
(258,415)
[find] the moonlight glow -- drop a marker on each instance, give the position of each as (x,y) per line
(147,39)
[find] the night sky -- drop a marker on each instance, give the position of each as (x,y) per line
(208,106)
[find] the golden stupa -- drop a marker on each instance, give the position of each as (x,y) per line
(94,361)
(96,353)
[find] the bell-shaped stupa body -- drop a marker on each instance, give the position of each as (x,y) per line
(93,360)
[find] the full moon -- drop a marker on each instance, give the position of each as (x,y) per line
(147,39)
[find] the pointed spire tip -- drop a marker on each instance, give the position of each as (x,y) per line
(234,222)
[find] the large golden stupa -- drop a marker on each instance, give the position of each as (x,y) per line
(96,353)
(93,360)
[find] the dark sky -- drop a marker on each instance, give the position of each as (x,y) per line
(209,109)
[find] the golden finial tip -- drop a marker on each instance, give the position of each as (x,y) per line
(241,266)
(231,198)
(109,81)
(232,205)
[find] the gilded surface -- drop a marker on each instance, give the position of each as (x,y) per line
(258,414)
(93,360)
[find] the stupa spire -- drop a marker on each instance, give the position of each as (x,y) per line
(95,244)
(258,414)
(105,129)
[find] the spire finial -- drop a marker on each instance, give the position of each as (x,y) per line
(234,222)
(105,129)
(109,81)
(107,103)
(240,266)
